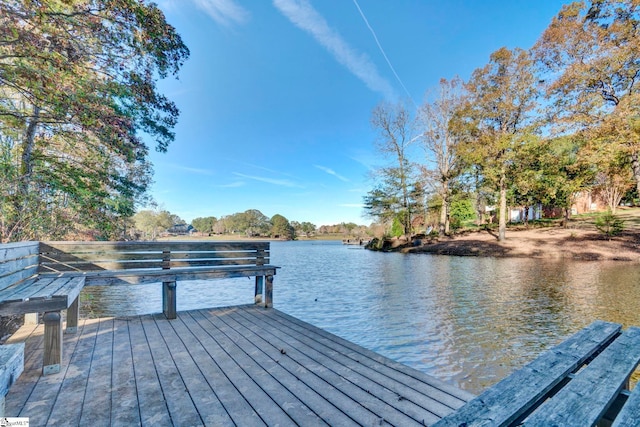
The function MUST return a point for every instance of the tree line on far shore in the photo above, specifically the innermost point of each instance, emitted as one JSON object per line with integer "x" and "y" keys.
{"x": 151, "y": 224}
{"x": 531, "y": 127}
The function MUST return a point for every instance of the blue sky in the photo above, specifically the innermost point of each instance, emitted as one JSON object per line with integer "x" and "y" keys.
{"x": 277, "y": 95}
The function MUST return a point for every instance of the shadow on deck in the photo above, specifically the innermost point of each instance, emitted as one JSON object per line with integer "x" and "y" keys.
{"x": 240, "y": 365}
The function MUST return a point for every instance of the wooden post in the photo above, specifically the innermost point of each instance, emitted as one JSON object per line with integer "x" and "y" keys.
{"x": 31, "y": 318}
{"x": 268, "y": 293}
{"x": 52, "y": 342}
{"x": 168, "y": 289}
{"x": 166, "y": 259}
{"x": 260, "y": 257}
{"x": 73, "y": 312}
{"x": 259, "y": 289}
{"x": 169, "y": 299}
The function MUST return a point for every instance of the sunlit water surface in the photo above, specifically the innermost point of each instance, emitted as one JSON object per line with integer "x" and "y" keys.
{"x": 469, "y": 321}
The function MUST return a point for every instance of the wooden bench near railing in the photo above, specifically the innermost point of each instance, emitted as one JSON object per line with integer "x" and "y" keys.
{"x": 583, "y": 381}
{"x": 47, "y": 277}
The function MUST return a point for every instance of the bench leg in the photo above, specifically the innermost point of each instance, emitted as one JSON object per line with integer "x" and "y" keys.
{"x": 268, "y": 292}
{"x": 52, "y": 342}
{"x": 259, "y": 289}
{"x": 169, "y": 299}
{"x": 31, "y": 318}
{"x": 73, "y": 313}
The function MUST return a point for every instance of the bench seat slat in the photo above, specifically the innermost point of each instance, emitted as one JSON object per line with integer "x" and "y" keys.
{"x": 59, "y": 287}
{"x": 49, "y": 290}
{"x": 586, "y": 398}
{"x": 25, "y": 290}
{"x": 43, "y": 294}
{"x": 630, "y": 413}
{"x": 71, "y": 289}
{"x": 516, "y": 395}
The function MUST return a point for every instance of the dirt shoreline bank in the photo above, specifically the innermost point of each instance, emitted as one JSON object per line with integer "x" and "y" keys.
{"x": 548, "y": 243}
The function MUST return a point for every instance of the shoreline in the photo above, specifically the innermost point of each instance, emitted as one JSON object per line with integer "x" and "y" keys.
{"x": 546, "y": 243}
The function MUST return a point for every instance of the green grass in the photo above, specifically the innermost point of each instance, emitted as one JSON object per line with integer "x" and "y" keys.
{"x": 630, "y": 216}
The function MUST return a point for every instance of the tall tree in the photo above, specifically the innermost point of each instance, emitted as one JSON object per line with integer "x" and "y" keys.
{"x": 152, "y": 223}
{"x": 281, "y": 228}
{"x": 77, "y": 91}
{"x": 393, "y": 199}
{"x": 440, "y": 137}
{"x": 502, "y": 97}
{"x": 591, "y": 55}
{"x": 204, "y": 224}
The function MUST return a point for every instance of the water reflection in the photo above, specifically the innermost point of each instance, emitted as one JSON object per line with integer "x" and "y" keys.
{"x": 470, "y": 321}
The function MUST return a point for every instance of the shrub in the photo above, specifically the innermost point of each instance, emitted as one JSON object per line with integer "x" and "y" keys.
{"x": 609, "y": 224}
{"x": 462, "y": 209}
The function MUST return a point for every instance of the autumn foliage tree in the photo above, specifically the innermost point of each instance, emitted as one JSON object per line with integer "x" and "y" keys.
{"x": 590, "y": 58}
{"x": 77, "y": 92}
{"x": 498, "y": 115}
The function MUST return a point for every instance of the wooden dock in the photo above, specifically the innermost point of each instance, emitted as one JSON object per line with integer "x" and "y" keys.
{"x": 241, "y": 365}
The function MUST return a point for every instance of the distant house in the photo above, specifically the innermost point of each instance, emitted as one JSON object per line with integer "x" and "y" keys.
{"x": 181, "y": 229}
{"x": 586, "y": 201}
{"x": 517, "y": 214}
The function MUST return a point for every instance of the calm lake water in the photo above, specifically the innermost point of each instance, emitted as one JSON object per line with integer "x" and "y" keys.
{"x": 469, "y": 321}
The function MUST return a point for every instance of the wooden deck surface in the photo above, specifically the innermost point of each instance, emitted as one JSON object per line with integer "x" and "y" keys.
{"x": 233, "y": 366}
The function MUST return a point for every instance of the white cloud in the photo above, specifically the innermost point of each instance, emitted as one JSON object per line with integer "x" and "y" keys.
{"x": 280, "y": 182}
{"x": 190, "y": 169}
{"x": 305, "y": 17}
{"x": 224, "y": 12}
{"x": 235, "y": 184}
{"x": 332, "y": 172}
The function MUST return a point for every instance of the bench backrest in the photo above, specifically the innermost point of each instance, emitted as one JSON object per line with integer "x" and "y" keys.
{"x": 58, "y": 257}
{"x": 18, "y": 262}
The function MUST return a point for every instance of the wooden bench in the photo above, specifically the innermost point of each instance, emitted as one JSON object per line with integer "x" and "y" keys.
{"x": 581, "y": 382}
{"x": 48, "y": 276}
{"x": 24, "y": 291}
{"x": 117, "y": 263}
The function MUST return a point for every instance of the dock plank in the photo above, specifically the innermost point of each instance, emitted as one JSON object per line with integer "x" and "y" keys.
{"x": 124, "y": 399}
{"x": 181, "y": 343}
{"x": 44, "y": 394}
{"x": 433, "y": 395}
{"x": 67, "y": 409}
{"x": 362, "y": 386}
{"x": 255, "y": 363}
{"x": 216, "y": 367}
{"x": 232, "y": 400}
{"x": 404, "y": 399}
{"x": 303, "y": 383}
{"x": 181, "y": 407}
{"x": 151, "y": 403}
{"x": 426, "y": 384}
{"x": 311, "y": 374}
{"x": 96, "y": 402}
{"x": 259, "y": 400}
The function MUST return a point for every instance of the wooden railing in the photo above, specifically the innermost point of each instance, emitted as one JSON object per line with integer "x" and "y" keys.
{"x": 48, "y": 276}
